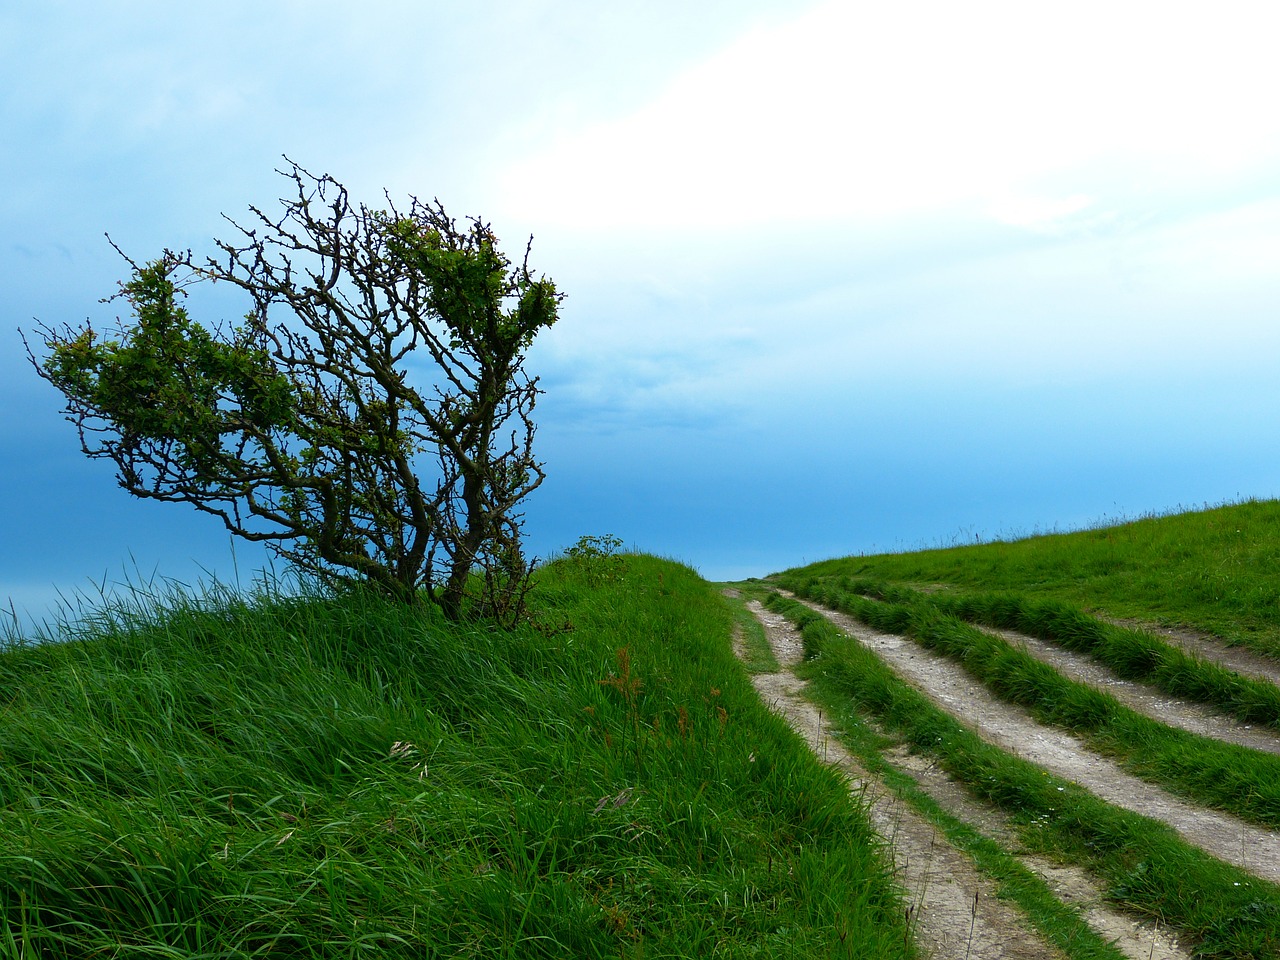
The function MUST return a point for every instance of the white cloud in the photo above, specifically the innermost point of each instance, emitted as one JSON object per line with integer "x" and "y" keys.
{"x": 869, "y": 111}
{"x": 1039, "y": 214}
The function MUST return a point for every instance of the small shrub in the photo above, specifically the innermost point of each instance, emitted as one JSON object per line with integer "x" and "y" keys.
{"x": 598, "y": 559}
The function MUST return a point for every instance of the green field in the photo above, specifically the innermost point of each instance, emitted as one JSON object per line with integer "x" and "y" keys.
{"x": 340, "y": 777}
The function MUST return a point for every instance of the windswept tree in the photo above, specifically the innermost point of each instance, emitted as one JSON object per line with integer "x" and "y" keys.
{"x": 370, "y": 419}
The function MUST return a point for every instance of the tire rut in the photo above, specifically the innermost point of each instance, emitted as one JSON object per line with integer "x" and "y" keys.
{"x": 1228, "y": 838}
{"x": 1138, "y": 939}
{"x": 954, "y": 909}
{"x": 1145, "y": 698}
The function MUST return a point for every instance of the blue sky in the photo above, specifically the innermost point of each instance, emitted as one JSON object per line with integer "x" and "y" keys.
{"x": 841, "y": 276}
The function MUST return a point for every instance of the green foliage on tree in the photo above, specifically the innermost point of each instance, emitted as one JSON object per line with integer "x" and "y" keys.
{"x": 312, "y": 426}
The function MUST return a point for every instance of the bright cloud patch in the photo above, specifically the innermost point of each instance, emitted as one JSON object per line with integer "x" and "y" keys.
{"x": 878, "y": 110}
{"x": 1046, "y": 215}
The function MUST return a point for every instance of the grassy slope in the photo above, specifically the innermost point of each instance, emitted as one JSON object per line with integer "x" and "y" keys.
{"x": 325, "y": 778}
{"x": 1214, "y": 570}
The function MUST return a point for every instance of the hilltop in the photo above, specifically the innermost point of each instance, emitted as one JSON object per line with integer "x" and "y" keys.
{"x": 330, "y": 776}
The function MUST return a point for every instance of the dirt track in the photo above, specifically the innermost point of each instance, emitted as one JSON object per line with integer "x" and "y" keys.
{"x": 1250, "y": 847}
{"x": 956, "y": 912}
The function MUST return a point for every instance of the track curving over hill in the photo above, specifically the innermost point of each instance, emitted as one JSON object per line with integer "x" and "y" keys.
{"x": 964, "y": 905}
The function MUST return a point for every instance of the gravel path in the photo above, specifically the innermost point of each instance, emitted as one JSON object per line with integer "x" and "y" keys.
{"x": 955, "y": 912}
{"x": 955, "y": 908}
{"x": 1228, "y": 838}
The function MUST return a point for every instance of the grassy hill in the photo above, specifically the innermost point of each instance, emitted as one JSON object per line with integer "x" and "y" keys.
{"x": 333, "y": 777}
{"x": 1216, "y": 570}
{"x": 339, "y": 777}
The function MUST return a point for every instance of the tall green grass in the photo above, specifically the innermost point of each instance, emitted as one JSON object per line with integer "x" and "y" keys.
{"x": 331, "y": 777}
{"x": 1213, "y": 570}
